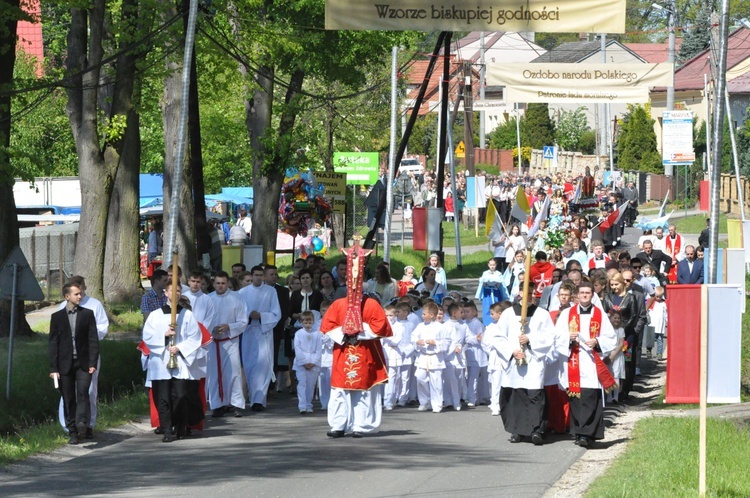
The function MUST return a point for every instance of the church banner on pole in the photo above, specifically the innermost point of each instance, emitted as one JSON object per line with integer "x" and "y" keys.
{"x": 561, "y": 16}
{"x": 579, "y": 83}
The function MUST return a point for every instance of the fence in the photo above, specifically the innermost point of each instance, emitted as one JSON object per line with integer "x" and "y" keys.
{"x": 50, "y": 251}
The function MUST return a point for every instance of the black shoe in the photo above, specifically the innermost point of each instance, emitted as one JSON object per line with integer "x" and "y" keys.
{"x": 515, "y": 438}
{"x": 335, "y": 434}
{"x": 357, "y": 434}
{"x": 89, "y": 433}
{"x": 158, "y": 430}
{"x": 237, "y": 413}
{"x": 219, "y": 412}
{"x": 73, "y": 438}
{"x": 303, "y": 412}
{"x": 537, "y": 439}
{"x": 583, "y": 442}
{"x": 257, "y": 407}
{"x": 167, "y": 438}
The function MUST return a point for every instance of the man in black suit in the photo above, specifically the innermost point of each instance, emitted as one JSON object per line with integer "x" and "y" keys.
{"x": 690, "y": 269}
{"x": 657, "y": 259}
{"x": 73, "y": 354}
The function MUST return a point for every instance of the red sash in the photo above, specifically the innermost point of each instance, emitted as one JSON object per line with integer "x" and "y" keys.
{"x": 673, "y": 252}
{"x": 592, "y": 262}
{"x": 574, "y": 363}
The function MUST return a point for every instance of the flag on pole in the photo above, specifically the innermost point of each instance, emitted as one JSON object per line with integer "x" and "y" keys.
{"x": 646, "y": 224}
{"x": 493, "y": 225}
{"x": 542, "y": 215}
{"x": 613, "y": 218}
{"x": 576, "y": 195}
{"x": 663, "y": 205}
{"x": 521, "y": 209}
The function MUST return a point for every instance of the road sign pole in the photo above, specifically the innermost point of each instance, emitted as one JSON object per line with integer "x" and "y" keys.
{"x": 12, "y": 329}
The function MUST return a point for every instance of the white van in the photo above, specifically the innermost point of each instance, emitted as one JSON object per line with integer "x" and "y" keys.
{"x": 410, "y": 166}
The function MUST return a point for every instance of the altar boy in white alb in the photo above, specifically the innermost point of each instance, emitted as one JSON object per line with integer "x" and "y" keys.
{"x": 587, "y": 378}
{"x": 262, "y": 303}
{"x": 171, "y": 385}
{"x": 224, "y": 380}
{"x": 308, "y": 353}
{"x": 523, "y": 353}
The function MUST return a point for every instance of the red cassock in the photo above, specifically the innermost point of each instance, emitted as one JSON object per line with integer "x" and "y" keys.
{"x": 358, "y": 366}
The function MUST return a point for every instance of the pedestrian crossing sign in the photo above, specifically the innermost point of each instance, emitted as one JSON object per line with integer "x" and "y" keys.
{"x": 549, "y": 152}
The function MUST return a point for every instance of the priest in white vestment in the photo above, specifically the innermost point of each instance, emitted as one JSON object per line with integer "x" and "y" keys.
{"x": 262, "y": 305}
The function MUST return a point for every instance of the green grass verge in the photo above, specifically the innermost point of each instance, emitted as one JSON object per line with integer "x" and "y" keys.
{"x": 662, "y": 461}
{"x": 33, "y": 397}
{"x": 696, "y": 224}
{"x": 48, "y": 436}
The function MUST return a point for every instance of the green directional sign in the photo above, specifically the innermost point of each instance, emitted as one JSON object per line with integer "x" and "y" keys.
{"x": 361, "y": 168}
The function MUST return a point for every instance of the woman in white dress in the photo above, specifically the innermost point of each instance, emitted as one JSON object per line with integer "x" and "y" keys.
{"x": 514, "y": 243}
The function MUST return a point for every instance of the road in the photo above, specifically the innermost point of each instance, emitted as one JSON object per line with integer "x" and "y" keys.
{"x": 280, "y": 453}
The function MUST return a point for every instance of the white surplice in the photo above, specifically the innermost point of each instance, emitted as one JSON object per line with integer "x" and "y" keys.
{"x": 188, "y": 340}
{"x": 231, "y": 311}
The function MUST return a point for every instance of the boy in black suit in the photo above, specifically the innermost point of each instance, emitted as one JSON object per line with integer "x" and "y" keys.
{"x": 73, "y": 353}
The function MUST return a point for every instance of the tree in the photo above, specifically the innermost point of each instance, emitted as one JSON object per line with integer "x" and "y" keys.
{"x": 284, "y": 58}
{"x": 10, "y": 13}
{"x": 571, "y": 126}
{"x": 636, "y": 143}
{"x": 539, "y": 130}
{"x": 108, "y": 149}
{"x": 696, "y": 37}
{"x": 504, "y": 136}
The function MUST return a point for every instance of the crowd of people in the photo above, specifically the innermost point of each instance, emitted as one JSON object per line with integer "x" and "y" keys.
{"x": 591, "y": 308}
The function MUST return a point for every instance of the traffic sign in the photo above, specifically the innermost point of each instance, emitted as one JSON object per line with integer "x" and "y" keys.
{"x": 549, "y": 152}
{"x": 27, "y": 288}
{"x": 461, "y": 149}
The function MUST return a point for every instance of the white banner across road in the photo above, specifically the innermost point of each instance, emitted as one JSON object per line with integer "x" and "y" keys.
{"x": 561, "y": 16}
{"x": 579, "y": 83}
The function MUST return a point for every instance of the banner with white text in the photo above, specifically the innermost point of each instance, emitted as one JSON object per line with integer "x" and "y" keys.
{"x": 579, "y": 83}
{"x": 562, "y": 16}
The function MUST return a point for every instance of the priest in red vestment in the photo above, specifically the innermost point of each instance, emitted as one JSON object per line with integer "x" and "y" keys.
{"x": 356, "y": 324}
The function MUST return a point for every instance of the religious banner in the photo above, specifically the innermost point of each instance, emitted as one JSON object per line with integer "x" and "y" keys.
{"x": 579, "y": 83}
{"x": 563, "y": 16}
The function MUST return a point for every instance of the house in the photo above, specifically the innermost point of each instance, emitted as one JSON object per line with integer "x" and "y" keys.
{"x": 499, "y": 48}
{"x": 691, "y": 79}
{"x": 583, "y": 52}
{"x": 30, "y": 34}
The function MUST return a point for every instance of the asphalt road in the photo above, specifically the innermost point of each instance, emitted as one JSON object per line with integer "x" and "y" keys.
{"x": 280, "y": 453}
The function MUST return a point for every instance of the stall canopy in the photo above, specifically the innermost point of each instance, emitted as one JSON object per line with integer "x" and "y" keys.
{"x": 244, "y": 192}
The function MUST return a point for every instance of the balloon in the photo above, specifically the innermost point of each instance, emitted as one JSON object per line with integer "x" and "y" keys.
{"x": 317, "y": 244}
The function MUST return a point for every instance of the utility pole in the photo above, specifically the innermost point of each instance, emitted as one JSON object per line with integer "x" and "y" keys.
{"x": 468, "y": 119}
{"x": 482, "y": 75}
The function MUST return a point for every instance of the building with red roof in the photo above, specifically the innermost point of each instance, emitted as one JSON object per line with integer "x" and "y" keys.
{"x": 29, "y": 34}
{"x": 693, "y": 78}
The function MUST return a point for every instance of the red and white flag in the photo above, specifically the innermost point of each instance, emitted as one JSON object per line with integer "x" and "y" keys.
{"x": 613, "y": 218}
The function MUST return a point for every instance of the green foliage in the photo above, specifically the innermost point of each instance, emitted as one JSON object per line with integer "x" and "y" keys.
{"x": 539, "y": 130}
{"x": 504, "y": 136}
{"x": 697, "y": 37}
{"x": 587, "y": 142}
{"x": 571, "y": 126}
{"x": 636, "y": 143}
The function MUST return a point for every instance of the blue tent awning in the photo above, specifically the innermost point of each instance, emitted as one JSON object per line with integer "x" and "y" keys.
{"x": 235, "y": 199}
{"x": 246, "y": 192}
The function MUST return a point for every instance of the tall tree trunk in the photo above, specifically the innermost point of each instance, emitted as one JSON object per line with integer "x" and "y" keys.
{"x": 185, "y": 236}
{"x": 83, "y": 68}
{"x": 123, "y": 157}
{"x": 258, "y": 112}
{"x": 338, "y": 221}
{"x": 8, "y": 215}
{"x": 203, "y": 238}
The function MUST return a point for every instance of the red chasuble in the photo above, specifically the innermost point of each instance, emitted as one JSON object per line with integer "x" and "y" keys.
{"x": 360, "y": 365}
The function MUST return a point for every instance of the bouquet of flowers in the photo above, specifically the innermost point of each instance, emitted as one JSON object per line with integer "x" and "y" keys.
{"x": 557, "y": 233}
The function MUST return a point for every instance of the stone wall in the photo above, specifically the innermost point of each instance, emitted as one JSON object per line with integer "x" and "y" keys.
{"x": 729, "y": 202}
{"x": 570, "y": 164}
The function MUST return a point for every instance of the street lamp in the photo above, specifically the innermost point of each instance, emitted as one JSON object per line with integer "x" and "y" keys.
{"x": 670, "y": 57}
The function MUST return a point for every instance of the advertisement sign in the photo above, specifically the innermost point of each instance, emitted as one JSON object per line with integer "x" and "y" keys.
{"x": 677, "y": 138}
{"x": 579, "y": 83}
{"x": 563, "y": 16}
{"x": 335, "y": 189}
{"x": 361, "y": 168}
